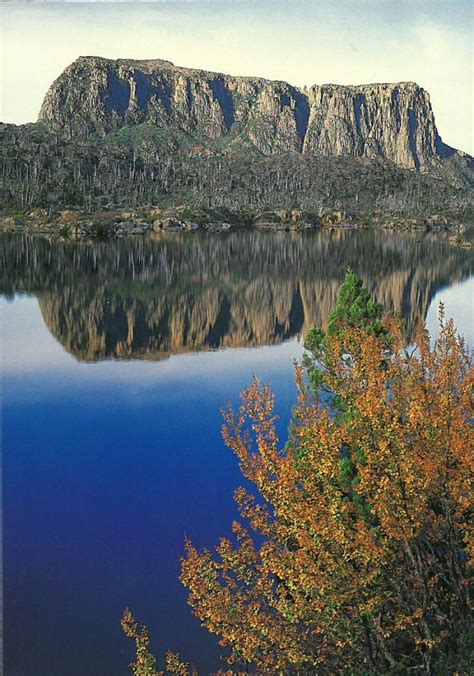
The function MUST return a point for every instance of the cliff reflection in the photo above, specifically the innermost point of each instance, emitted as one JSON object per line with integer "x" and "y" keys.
{"x": 149, "y": 298}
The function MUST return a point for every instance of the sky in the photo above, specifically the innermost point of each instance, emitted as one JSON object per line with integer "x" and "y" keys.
{"x": 301, "y": 41}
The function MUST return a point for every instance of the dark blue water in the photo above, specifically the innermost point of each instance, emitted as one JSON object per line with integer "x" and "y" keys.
{"x": 106, "y": 467}
{"x": 107, "y": 464}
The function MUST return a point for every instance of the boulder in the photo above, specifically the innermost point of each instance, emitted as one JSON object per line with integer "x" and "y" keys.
{"x": 10, "y": 222}
{"x": 296, "y": 215}
{"x": 127, "y": 226}
{"x": 218, "y": 227}
{"x": 36, "y": 214}
{"x": 69, "y": 216}
{"x": 171, "y": 224}
{"x": 191, "y": 225}
{"x": 437, "y": 219}
{"x": 135, "y": 227}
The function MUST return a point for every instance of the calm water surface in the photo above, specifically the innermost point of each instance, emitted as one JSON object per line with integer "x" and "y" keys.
{"x": 116, "y": 360}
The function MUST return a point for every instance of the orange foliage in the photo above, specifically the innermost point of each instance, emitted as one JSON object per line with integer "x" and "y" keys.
{"x": 363, "y": 520}
{"x": 145, "y": 663}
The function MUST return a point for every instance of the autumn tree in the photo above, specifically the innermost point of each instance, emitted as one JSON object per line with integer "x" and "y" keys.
{"x": 354, "y": 552}
{"x": 145, "y": 663}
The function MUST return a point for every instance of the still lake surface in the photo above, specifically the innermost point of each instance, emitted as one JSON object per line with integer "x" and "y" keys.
{"x": 116, "y": 360}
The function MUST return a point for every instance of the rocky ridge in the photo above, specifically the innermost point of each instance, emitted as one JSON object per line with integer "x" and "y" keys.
{"x": 393, "y": 121}
{"x": 134, "y": 136}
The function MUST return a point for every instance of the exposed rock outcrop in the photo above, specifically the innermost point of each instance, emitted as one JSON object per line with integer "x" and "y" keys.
{"x": 392, "y": 121}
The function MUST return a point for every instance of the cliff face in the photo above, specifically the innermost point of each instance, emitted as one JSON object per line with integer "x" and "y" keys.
{"x": 392, "y": 121}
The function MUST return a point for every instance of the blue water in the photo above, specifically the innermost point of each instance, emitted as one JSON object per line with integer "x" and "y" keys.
{"x": 106, "y": 466}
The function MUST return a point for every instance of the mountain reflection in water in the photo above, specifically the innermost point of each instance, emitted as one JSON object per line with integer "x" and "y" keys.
{"x": 150, "y": 298}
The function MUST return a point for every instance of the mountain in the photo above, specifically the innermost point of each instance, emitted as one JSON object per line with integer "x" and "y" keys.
{"x": 140, "y": 134}
{"x": 392, "y": 121}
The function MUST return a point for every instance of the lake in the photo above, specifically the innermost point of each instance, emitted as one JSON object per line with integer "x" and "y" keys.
{"x": 116, "y": 360}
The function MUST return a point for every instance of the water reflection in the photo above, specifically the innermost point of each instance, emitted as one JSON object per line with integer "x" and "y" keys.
{"x": 107, "y": 465}
{"x": 149, "y": 298}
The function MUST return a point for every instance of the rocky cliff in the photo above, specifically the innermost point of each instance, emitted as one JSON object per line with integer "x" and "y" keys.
{"x": 391, "y": 121}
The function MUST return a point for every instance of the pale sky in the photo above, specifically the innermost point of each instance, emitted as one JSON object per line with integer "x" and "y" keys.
{"x": 302, "y": 41}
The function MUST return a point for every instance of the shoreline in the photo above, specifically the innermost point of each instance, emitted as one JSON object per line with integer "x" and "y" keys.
{"x": 109, "y": 224}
